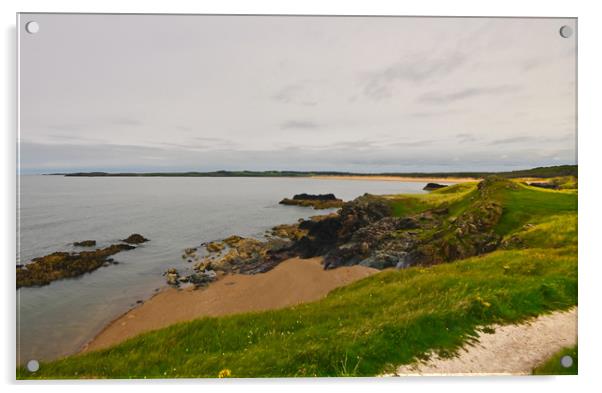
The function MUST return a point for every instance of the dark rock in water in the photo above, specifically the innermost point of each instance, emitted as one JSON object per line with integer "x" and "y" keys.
{"x": 85, "y": 243}
{"x": 315, "y": 197}
{"x": 545, "y": 185}
{"x": 319, "y": 201}
{"x": 135, "y": 238}
{"x": 43, "y": 270}
{"x": 433, "y": 186}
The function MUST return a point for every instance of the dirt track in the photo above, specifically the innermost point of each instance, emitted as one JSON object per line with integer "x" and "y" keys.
{"x": 512, "y": 349}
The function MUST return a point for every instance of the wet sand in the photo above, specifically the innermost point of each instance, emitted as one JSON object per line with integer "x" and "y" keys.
{"x": 291, "y": 282}
{"x": 401, "y": 178}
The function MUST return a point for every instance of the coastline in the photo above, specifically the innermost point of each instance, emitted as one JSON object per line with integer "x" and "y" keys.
{"x": 292, "y": 282}
{"x": 400, "y": 179}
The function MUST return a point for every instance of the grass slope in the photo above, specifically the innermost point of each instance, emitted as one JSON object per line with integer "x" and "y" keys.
{"x": 378, "y": 323}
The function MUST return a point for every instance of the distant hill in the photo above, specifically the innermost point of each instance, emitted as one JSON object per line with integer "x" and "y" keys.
{"x": 541, "y": 172}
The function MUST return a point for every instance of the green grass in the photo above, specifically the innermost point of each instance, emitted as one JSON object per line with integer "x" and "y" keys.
{"x": 530, "y": 205}
{"x": 407, "y": 204}
{"x": 376, "y": 324}
{"x": 363, "y": 329}
{"x": 552, "y": 366}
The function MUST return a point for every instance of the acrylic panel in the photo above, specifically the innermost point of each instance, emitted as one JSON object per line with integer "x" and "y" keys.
{"x": 239, "y": 196}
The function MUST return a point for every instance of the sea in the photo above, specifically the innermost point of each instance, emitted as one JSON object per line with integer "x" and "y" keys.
{"x": 173, "y": 212}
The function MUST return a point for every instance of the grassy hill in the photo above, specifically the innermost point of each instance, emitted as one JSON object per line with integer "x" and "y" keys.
{"x": 383, "y": 321}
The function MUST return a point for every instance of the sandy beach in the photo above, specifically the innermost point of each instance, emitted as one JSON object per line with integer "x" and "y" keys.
{"x": 291, "y": 282}
{"x": 401, "y": 178}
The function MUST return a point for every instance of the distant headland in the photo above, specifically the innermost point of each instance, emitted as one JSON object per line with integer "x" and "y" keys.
{"x": 539, "y": 172}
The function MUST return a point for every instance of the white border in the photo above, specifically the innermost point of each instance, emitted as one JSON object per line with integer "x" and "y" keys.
{"x": 590, "y": 28}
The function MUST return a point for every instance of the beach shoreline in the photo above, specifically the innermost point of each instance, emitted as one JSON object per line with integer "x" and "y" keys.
{"x": 292, "y": 282}
{"x": 400, "y": 179}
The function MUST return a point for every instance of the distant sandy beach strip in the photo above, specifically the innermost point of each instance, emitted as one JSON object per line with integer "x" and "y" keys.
{"x": 292, "y": 282}
{"x": 401, "y": 178}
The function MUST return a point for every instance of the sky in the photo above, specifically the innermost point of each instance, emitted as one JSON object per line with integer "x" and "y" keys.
{"x": 362, "y": 94}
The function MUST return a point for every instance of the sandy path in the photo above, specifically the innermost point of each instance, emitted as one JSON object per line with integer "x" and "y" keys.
{"x": 401, "y": 178}
{"x": 291, "y": 282}
{"x": 512, "y": 349}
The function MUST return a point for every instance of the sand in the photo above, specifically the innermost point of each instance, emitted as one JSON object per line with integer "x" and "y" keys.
{"x": 401, "y": 178}
{"x": 292, "y": 282}
{"x": 511, "y": 350}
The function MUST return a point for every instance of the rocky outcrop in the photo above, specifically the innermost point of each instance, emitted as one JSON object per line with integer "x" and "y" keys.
{"x": 135, "y": 238}
{"x": 197, "y": 279}
{"x": 43, "y": 270}
{"x": 365, "y": 233}
{"x": 433, "y": 186}
{"x": 323, "y": 235}
{"x": 247, "y": 255}
{"x": 319, "y": 201}
{"x": 85, "y": 243}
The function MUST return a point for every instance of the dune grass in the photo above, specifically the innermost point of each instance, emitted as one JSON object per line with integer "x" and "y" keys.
{"x": 376, "y": 324}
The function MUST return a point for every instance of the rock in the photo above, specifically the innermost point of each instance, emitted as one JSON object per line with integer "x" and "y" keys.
{"x": 202, "y": 279}
{"x": 58, "y": 265}
{"x": 215, "y": 246}
{"x": 246, "y": 256}
{"x": 232, "y": 240}
{"x": 85, "y": 243}
{"x": 189, "y": 252}
{"x": 364, "y": 233}
{"x": 320, "y": 201}
{"x": 433, "y": 186}
{"x": 288, "y": 231}
{"x": 332, "y": 231}
{"x": 172, "y": 278}
{"x": 135, "y": 238}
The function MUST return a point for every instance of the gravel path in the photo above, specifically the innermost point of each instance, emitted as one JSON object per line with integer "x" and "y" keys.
{"x": 511, "y": 350}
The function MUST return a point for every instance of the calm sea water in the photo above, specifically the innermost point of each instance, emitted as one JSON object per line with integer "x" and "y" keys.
{"x": 174, "y": 213}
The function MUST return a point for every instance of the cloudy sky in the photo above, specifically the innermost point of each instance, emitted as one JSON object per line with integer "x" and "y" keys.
{"x": 154, "y": 93}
